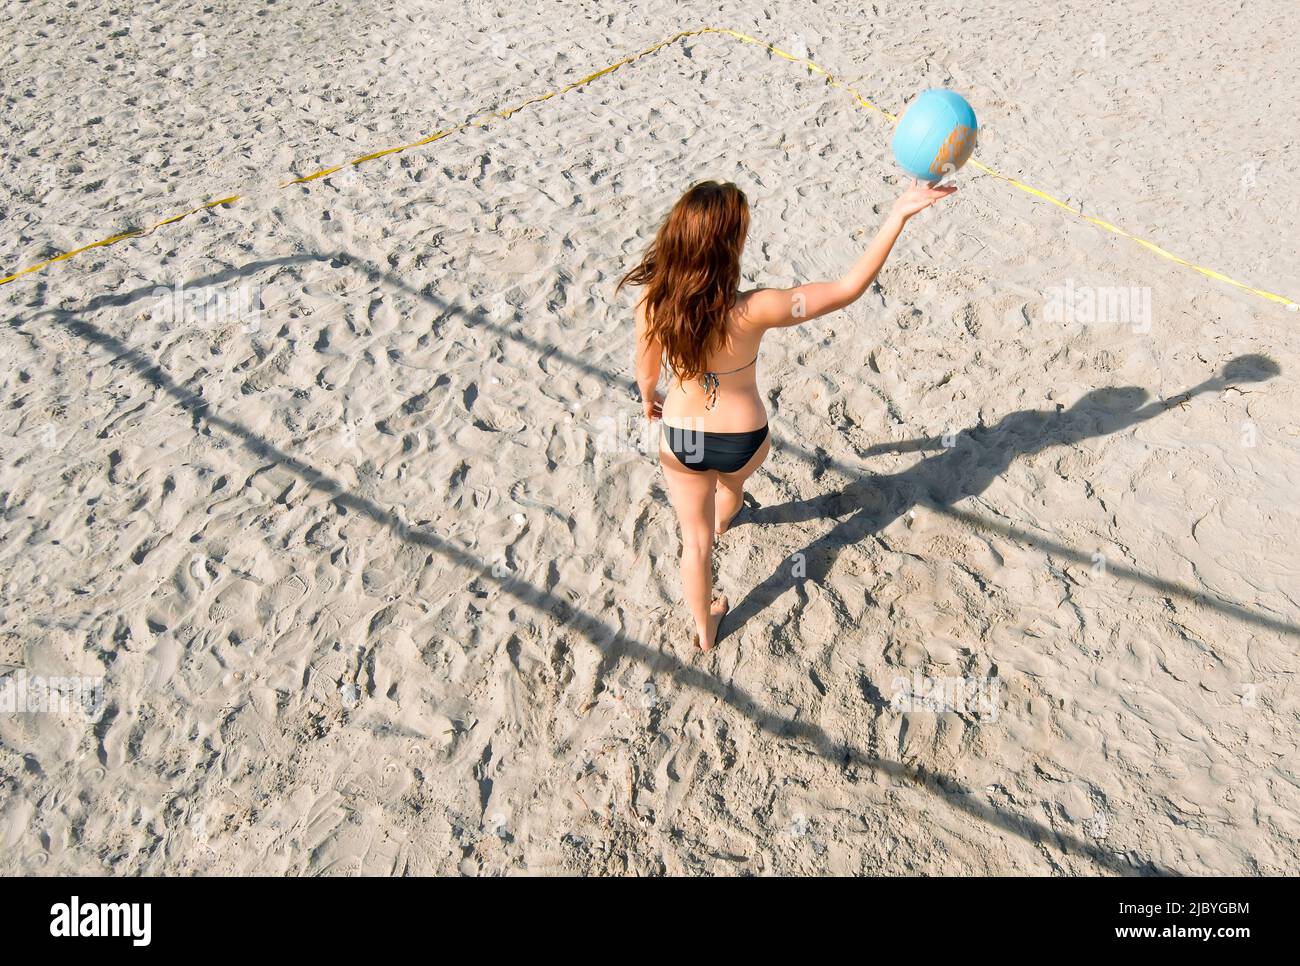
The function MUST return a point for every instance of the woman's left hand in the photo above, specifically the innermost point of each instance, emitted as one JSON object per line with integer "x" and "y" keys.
{"x": 654, "y": 406}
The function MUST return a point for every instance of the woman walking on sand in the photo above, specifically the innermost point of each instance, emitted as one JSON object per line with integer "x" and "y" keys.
{"x": 692, "y": 317}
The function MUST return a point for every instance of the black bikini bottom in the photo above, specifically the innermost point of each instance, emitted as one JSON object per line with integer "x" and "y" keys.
{"x": 724, "y": 452}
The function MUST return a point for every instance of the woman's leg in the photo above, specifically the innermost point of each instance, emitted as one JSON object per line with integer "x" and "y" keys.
{"x": 731, "y": 488}
{"x": 691, "y": 493}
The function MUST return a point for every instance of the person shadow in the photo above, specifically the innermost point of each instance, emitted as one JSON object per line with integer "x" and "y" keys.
{"x": 967, "y": 464}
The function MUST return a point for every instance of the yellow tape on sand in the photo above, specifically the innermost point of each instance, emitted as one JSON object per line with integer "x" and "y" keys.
{"x": 486, "y": 118}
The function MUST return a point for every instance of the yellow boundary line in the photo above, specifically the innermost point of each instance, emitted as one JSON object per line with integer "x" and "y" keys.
{"x": 484, "y": 119}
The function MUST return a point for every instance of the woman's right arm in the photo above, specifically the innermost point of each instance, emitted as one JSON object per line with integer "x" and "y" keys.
{"x": 776, "y": 308}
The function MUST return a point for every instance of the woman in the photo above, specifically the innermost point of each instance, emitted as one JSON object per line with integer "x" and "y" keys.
{"x": 691, "y": 316}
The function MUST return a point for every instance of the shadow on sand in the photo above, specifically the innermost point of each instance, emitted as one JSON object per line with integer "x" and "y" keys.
{"x": 967, "y": 468}
{"x": 971, "y": 461}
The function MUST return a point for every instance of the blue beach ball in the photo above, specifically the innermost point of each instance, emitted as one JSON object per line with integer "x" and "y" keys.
{"x": 935, "y": 135}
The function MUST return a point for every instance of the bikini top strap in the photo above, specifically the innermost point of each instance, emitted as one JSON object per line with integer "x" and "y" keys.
{"x": 734, "y": 371}
{"x": 709, "y": 381}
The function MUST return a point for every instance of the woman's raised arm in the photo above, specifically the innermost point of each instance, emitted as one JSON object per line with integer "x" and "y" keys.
{"x": 777, "y": 308}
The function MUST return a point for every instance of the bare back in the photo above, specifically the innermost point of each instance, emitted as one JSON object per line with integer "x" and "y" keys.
{"x": 738, "y": 407}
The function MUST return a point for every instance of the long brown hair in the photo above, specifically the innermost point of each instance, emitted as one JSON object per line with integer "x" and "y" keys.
{"x": 691, "y": 272}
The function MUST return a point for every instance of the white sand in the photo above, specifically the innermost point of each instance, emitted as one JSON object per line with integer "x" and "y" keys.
{"x": 374, "y": 587}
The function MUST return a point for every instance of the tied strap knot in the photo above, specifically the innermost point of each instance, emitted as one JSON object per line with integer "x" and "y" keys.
{"x": 709, "y": 382}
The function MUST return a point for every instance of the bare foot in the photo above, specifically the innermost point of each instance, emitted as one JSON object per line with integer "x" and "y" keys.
{"x": 723, "y": 497}
{"x": 721, "y": 526}
{"x": 716, "y": 610}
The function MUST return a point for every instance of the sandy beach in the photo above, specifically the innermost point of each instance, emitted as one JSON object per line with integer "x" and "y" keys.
{"x": 333, "y": 512}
